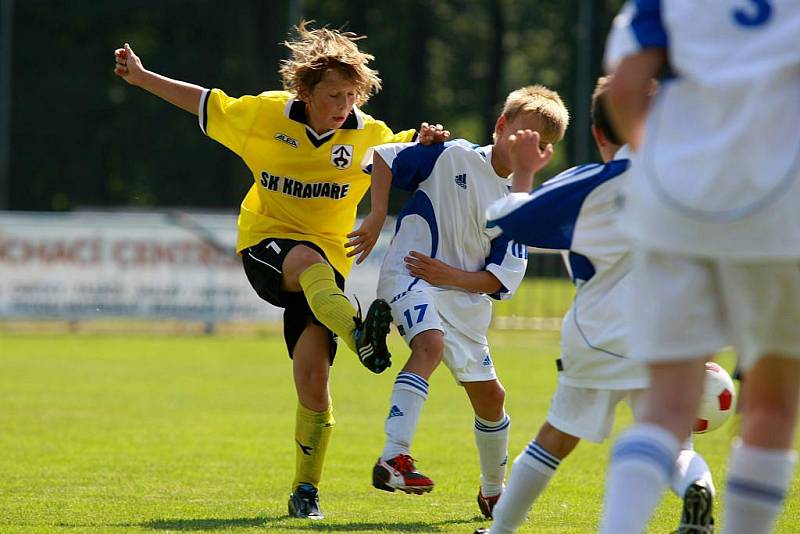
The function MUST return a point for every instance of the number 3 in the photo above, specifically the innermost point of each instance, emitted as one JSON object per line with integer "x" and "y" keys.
{"x": 749, "y": 19}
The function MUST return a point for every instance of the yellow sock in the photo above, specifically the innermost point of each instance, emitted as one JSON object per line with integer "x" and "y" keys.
{"x": 312, "y": 432}
{"x": 330, "y": 306}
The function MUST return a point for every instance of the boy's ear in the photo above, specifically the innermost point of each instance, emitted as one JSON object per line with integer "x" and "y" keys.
{"x": 599, "y": 138}
{"x": 500, "y": 125}
{"x": 303, "y": 93}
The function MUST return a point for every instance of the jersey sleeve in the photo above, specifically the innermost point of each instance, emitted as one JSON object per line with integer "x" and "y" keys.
{"x": 228, "y": 120}
{"x": 507, "y": 261}
{"x": 411, "y": 163}
{"x": 546, "y": 217}
{"x": 637, "y": 26}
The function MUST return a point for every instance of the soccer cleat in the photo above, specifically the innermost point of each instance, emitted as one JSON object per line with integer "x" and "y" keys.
{"x": 399, "y": 473}
{"x": 481, "y": 531}
{"x": 697, "y": 517}
{"x": 304, "y": 503}
{"x": 486, "y": 504}
{"x": 370, "y": 336}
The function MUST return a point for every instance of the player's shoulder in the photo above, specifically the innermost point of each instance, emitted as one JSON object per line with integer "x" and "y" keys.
{"x": 596, "y": 172}
{"x": 462, "y": 149}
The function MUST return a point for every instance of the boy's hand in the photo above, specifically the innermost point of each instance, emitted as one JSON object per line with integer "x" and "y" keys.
{"x": 129, "y": 66}
{"x": 433, "y": 271}
{"x": 365, "y": 236}
{"x": 527, "y": 157}
{"x": 430, "y": 134}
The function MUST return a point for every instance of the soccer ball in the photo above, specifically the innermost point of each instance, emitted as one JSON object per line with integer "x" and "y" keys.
{"x": 716, "y": 404}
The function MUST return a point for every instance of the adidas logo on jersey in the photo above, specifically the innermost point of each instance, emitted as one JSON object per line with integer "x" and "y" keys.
{"x": 487, "y": 361}
{"x": 461, "y": 180}
{"x": 395, "y": 412}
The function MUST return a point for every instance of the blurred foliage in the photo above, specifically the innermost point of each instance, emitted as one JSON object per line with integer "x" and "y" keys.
{"x": 80, "y": 136}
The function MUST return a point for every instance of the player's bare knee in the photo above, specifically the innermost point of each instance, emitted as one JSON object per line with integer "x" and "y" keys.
{"x": 428, "y": 345}
{"x": 298, "y": 260}
{"x": 496, "y": 396}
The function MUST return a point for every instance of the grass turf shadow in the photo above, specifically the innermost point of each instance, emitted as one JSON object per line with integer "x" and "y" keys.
{"x": 299, "y": 525}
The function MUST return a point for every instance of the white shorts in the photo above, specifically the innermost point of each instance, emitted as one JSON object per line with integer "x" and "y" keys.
{"x": 687, "y": 307}
{"x": 589, "y": 413}
{"x": 468, "y": 360}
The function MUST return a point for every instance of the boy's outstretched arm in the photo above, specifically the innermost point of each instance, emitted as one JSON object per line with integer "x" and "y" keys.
{"x": 129, "y": 67}
{"x": 363, "y": 239}
{"x": 438, "y": 273}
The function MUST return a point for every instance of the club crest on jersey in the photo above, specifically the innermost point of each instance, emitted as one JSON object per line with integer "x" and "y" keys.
{"x": 291, "y": 141}
{"x": 461, "y": 180}
{"x": 342, "y": 156}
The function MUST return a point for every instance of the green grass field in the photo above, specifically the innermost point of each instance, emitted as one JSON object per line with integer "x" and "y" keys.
{"x": 123, "y": 434}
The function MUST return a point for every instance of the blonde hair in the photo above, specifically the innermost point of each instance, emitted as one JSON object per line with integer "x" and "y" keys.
{"x": 545, "y": 104}
{"x": 315, "y": 51}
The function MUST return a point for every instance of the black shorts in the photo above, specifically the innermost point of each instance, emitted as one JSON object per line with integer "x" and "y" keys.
{"x": 263, "y": 265}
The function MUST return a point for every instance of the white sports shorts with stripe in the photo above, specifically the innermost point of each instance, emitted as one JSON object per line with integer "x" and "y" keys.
{"x": 415, "y": 312}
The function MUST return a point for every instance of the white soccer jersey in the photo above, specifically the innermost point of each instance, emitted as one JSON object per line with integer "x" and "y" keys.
{"x": 576, "y": 212}
{"x": 453, "y": 184}
{"x": 720, "y": 164}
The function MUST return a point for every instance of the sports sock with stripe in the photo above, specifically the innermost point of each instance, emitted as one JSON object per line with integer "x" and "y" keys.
{"x": 491, "y": 437}
{"x": 330, "y": 306}
{"x": 530, "y": 474}
{"x": 689, "y": 468}
{"x": 408, "y": 397}
{"x": 642, "y": 465}
{"x": 312, "y": 432}
{"x": 757, "y": 483}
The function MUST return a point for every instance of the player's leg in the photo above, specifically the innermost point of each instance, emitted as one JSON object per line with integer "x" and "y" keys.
{"x": 311, "y": 359}
{"x": 575, "y": 413}
{"x": 643, "y": 458}
{"x": 492, "y": 426}
{"x": 674, "y": 338}
{"x": 763, "y": 303}
{"x": 692, "y": 481}
{"x": 305, "y": 269}
{"x": 762, "y": 463}
{"x": 531, "y": 471}
{"x": 395, "y": 468}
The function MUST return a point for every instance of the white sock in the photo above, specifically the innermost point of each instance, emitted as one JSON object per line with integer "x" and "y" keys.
{"x": 757, "y": 483}
{"x": 408, "y": 396}
{"x": 491, "y": 437}
{"x": 690, "y": 467}
{"x": 530, "y": 474}
{"x": 642, "y": 463}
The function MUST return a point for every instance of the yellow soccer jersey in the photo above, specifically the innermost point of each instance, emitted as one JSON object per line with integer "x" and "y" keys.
{"x": 307, "y": 186}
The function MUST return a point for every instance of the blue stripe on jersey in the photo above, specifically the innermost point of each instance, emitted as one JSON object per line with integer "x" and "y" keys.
{"x": 581, "y": 267}
{"x": 497, "y": 252}
{"x": 647, "y": 25}
{"x": 547, "y": 219}
{"x": 420, "y": 204}
{"x": 413, "y": 165}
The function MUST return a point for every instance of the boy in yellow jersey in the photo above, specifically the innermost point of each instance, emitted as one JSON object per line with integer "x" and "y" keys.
{"x": 300, "y": 145}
